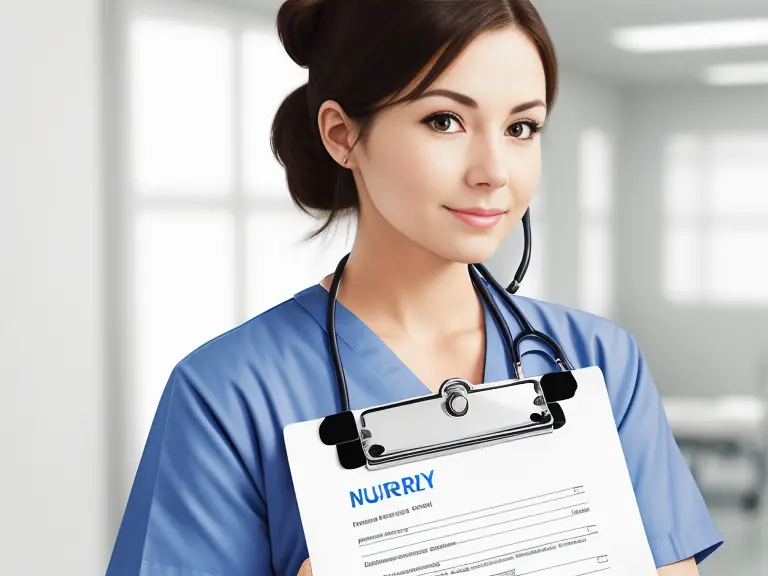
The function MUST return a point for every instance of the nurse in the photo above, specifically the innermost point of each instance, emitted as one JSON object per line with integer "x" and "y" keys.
{"x": 423, "y": 119}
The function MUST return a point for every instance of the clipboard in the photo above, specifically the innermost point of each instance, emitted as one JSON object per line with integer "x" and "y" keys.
{"x": 392, "y": 490}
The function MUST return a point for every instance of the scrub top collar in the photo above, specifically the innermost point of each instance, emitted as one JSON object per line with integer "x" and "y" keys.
{"x": 374, "y": 351}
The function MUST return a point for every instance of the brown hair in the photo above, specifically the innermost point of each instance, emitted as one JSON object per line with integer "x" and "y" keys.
{"x": 360, "y": 53}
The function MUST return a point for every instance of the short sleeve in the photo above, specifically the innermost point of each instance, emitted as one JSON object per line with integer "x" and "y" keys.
{"x": 677, "y": 522}
{"x": 196, "y": 505}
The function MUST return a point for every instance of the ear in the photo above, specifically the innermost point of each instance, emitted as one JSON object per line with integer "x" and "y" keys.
{"x": 338, "y": 133}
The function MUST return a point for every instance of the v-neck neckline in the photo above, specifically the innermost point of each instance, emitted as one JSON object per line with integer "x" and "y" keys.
{"x": 372, "y": 349}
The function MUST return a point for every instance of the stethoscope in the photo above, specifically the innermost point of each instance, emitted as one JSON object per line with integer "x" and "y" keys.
{"x": 478, "y": 273}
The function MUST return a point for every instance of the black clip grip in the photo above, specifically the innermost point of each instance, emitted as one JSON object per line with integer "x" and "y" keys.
{"x": 340, "y": 430}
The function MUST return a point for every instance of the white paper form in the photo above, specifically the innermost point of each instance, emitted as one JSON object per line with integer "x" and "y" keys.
{"x": 559, "y": 504}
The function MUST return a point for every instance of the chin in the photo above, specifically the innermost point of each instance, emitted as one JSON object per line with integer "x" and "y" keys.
{"x": 471, "y": 251}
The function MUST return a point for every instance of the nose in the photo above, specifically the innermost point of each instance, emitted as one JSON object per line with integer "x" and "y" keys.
{"x": 487, "y": 170}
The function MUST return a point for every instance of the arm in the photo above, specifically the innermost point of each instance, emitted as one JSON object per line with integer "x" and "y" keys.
{"x": 196, "y": 507}
{"x": 684, "y": 568}
{"x": 678, "y": 525}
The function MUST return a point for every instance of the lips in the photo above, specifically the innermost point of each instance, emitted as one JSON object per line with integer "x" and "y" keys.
{"x": 482, "y": 218}
{"x": 478, "y": 211}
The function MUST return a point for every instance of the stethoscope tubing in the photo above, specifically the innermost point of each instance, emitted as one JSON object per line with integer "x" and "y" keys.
{"x": 478, "y": 273}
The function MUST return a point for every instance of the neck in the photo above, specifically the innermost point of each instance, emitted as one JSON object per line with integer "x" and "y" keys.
{"x": 402, "y": 290}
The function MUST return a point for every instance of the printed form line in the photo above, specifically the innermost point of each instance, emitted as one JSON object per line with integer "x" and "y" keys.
{"x": 471, "y": 529}
{"x": 512, "y": 552}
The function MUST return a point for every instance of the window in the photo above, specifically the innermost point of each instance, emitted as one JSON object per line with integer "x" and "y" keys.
{"x": 716, "y": 213}
{"x": 213, "y": 237}
{"x": 595, "y": 237}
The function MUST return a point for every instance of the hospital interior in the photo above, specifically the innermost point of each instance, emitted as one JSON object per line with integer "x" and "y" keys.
{"x": 142, "y": 213}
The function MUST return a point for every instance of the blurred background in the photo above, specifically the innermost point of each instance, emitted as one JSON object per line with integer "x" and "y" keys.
{"x": 142, "y": 213}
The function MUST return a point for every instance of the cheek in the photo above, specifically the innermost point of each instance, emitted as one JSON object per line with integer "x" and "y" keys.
{"x": 525, "y": 176}
{"x": 409, "y": 172}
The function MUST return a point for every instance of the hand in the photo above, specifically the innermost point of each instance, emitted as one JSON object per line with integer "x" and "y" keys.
{"x": 306, "y": 569}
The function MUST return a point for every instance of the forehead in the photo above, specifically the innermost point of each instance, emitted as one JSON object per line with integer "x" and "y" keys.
{"x": 498, "y": 67}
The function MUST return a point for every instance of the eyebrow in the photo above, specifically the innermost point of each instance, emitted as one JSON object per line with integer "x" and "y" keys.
{"x": 472, "y": 103}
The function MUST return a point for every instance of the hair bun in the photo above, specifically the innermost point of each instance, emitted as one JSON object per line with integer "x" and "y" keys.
{"x": 297, "y": 22}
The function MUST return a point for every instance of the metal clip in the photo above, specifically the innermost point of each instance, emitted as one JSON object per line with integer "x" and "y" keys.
{"x": 455, "y": 393}
{"x": 460, "y": 416}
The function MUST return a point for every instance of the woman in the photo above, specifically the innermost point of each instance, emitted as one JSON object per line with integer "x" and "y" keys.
{"x": 422, "y": 117}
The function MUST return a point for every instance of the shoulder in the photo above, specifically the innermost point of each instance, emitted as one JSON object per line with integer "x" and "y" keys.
{"x": 251, "y": 340}
{"x": 245, "y": 358}
{"x": 591, "y": 340}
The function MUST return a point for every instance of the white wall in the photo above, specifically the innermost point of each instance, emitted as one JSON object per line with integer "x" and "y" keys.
{"x": 583, "y": 104}
{"x": 52, "y": 490}
{"x": 695, "y": 350}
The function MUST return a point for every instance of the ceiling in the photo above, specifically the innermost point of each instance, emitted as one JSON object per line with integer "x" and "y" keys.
{"x": 581, "y": 29}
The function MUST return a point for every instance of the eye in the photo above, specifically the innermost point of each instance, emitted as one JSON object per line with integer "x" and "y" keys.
{"x": 525, "y": 130}
{"x": 442, "y": 122}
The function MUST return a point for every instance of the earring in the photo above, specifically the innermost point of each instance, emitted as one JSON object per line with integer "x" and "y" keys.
{"x": 346, "y": 159}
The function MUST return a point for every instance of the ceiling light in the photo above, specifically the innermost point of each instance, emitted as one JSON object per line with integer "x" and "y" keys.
{"x": 693, "y": 36}
{"x": 737, "y": 74}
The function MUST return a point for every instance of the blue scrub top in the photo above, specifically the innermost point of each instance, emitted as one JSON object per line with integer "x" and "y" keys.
{"x": 213, "y": 492}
